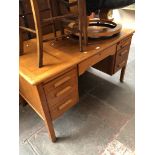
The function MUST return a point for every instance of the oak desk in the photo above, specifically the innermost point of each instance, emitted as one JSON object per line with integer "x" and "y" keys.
{"x": 53, "y": 89}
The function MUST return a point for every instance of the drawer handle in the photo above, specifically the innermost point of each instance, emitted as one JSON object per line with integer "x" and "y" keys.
{"x": 62, "y": 81}
{"x": 63, "y": 91}
{"x": 124, "y": 52}
{"x": 65, "y": 104}
{"x": 121, "y": 64}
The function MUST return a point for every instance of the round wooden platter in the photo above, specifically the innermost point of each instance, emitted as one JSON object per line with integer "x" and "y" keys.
{"x": 100, "y": 31}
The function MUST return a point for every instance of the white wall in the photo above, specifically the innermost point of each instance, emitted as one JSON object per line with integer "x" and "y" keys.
{"x": 125, "y": 17}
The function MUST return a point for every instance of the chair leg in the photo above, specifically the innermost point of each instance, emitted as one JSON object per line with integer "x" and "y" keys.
{"x": 37, "y": 23}
{"x": 21, "y": 48}
{"x": 50, "y": 5}
{"x": 60, "y": 22}
{"x": 40, "y": 52}
{"x": 80, "y": 24}
{"x": 85, "y": 23}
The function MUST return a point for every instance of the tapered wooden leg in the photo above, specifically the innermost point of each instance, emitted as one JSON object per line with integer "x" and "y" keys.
{"x": 51, "y": 131}
{"x": 46, "y": 113}
{"x": 122, "y": 74}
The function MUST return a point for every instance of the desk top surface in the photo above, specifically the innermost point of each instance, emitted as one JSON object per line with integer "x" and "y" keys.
{"x": 59, "y": 56}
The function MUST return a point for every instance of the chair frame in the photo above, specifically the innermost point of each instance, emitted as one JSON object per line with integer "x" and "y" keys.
{"x": 82, "y": 26}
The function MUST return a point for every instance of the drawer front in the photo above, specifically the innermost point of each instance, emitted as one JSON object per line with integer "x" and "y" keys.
{"x": 121, "y": 58}
{"x": 119, "y": 66}
{"x": 83, "y": 66}
{"x": 54, "y": 95}
{"x": 123, "y": 43}
{"x": 63, "y": 106}
{"x": 57, "y": 83}
{"x": 62, "y": 92}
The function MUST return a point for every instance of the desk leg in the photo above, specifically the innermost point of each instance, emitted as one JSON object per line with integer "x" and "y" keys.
{"x": 122, "y": 74}
{"x": 51, "y": 131}
{"x": 46, "y": 113}
{"x": 22, "y": 101}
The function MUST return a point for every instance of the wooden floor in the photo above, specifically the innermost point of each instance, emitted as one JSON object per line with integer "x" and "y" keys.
{"x": 59, "y": 56}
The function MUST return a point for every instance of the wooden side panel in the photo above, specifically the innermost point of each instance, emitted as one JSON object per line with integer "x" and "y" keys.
{"x": 30, "y": 94}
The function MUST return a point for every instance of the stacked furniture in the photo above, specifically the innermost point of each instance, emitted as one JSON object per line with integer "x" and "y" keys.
{"x": 64, "y": 17}
{"x": 51, "y": 86}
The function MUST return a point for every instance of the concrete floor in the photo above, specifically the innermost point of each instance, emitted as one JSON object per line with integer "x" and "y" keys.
{"x": 102, "y": 123}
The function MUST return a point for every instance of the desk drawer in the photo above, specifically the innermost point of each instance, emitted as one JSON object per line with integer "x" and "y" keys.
{"x": 83, "y": 66}
{"x": 123, "y": 43}
{"x": 63, "y": 106}
{"x": 54, "y": 95}
{"x": 57, "y": 92}
{"x": 60, "y": 81}
{"x": 121, "y": 58}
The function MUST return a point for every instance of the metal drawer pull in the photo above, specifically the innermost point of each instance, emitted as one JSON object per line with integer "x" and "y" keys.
{"x": 121, "y": 64}
{"x": 62, "y": 81}
{"x": 65, "y": 104}
{"x": 124, "y": 52}
{"x": 63, "y": 91}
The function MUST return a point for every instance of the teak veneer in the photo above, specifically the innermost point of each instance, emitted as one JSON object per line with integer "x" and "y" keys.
{"x": 53, "y": 89}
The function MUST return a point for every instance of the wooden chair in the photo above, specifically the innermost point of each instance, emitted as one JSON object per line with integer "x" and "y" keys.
{"x": 62, "y": 18}
{"x": 68, "y": 18}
